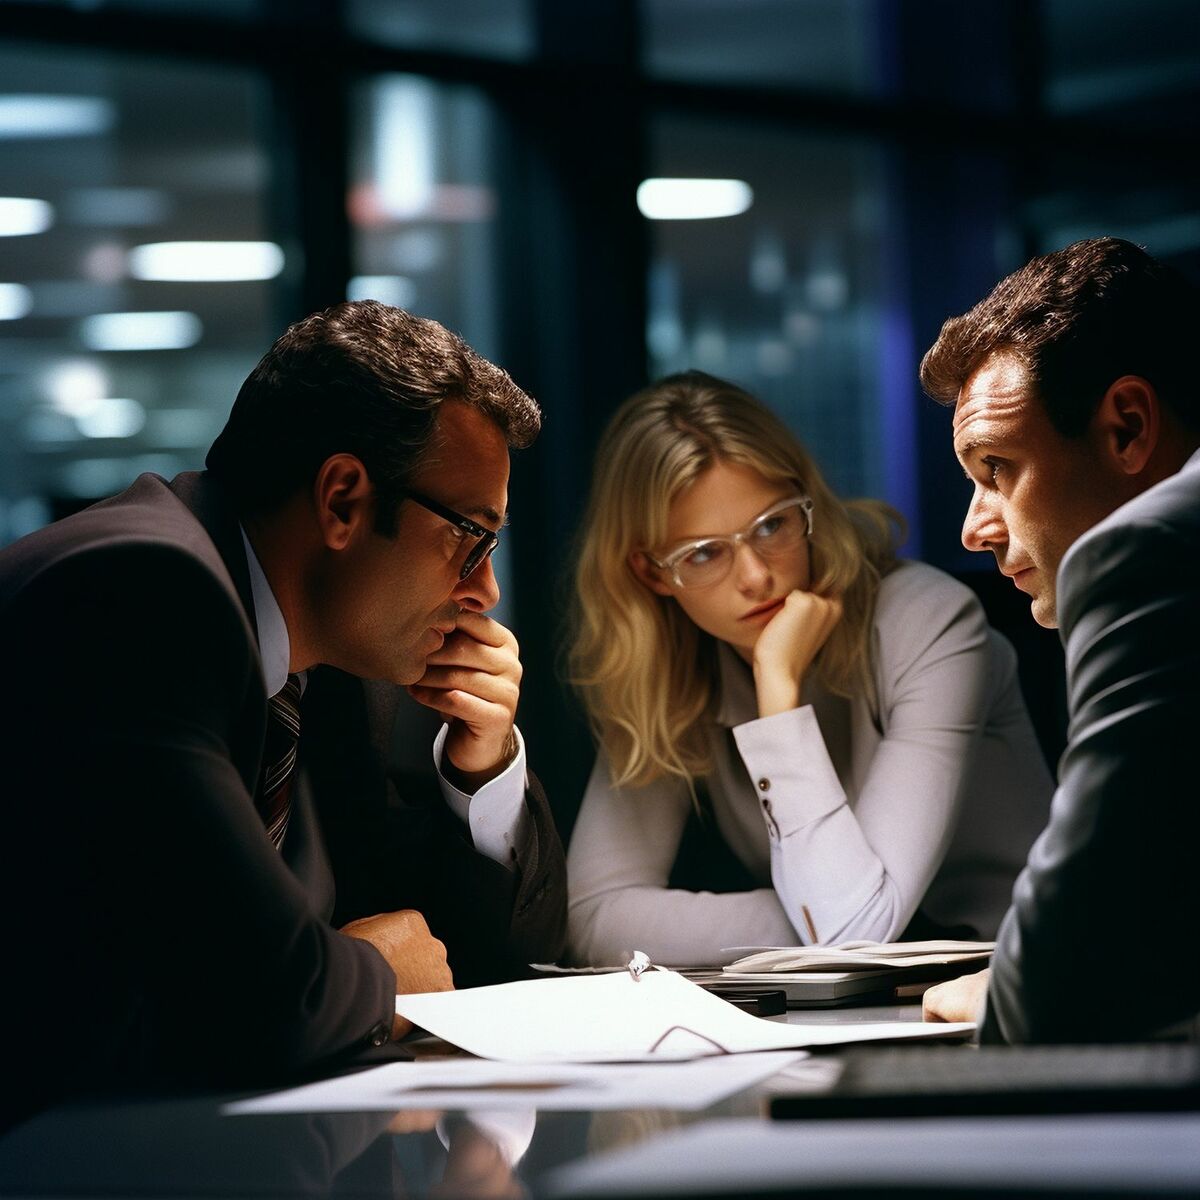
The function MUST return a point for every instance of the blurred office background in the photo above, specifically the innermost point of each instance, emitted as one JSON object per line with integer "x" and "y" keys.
{"x": 790, "y": 193}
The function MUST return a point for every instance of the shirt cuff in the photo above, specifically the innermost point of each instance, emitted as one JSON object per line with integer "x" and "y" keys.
{"x": 495, "y": 815}
{"x": 510, "y": 1130}
{"x": 790, "y": 768}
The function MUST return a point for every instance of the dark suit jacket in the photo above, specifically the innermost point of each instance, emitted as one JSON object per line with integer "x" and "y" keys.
{"x": 1099, "y": 944}
{"x": 154, "y": 934}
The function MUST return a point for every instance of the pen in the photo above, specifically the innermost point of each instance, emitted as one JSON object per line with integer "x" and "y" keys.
{"x": 812, "y": 929}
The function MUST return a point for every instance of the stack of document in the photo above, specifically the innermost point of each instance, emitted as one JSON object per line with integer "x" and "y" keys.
{"x": 820, "y": 975}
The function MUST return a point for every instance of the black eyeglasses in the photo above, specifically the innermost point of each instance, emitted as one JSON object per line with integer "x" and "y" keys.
{"x": 488, "y": 538}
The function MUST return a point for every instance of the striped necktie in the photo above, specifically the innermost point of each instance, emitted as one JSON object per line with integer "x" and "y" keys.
{"x": 274, "y": 798}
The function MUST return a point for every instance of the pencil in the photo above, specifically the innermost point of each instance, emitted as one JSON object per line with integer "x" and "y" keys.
{"x": 812, "y": 929}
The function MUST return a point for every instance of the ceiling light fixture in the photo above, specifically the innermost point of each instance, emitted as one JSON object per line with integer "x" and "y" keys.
{"x": 206, "y": 262}
{"x": 20, "y": 216}
{"x": 28, "y": 116}
{"x": 693, "y": 199}
{"x": 141, "y": 331}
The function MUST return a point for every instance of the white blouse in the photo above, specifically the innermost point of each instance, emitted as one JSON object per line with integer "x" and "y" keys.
{"x": 850, "y": 815}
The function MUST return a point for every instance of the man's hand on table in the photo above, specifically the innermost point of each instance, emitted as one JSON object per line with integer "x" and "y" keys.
{"x": 957, "y": 999}
{"x": 414, "y": 954}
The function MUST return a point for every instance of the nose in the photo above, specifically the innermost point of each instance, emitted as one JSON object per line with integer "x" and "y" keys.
{"x": 479, "y": 591}
{"x": 983, "y": 528}
{"x": 751, "y": 575}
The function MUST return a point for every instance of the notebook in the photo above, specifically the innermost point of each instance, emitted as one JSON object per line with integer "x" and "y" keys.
{"x": 855, "y": 972}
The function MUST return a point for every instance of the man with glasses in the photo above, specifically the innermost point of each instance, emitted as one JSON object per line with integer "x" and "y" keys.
{"x": 225, "y": 875}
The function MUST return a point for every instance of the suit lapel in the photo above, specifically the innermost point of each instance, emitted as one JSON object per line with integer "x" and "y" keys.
{"x": 203, "y": 497}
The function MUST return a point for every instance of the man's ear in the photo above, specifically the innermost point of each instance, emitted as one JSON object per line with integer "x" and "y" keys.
{"x": 1128, "y": 423}
{"x": 343, "y": 499}
{"x": 648, "y": 574}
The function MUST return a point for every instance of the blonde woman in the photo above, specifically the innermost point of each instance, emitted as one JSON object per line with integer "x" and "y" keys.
{"x": 842, "y": 731}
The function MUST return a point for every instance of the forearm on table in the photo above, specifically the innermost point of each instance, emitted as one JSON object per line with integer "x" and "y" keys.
{"x": 674, "y": 927}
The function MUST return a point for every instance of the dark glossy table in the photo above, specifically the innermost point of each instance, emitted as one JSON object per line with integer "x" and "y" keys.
{"x": 185, "y": 1147}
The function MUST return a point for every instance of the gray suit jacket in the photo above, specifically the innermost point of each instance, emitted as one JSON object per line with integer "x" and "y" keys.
{"x": 1100, "y": 942}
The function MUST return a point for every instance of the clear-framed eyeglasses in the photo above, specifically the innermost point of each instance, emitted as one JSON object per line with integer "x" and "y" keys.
{"x": 773, "y": 534}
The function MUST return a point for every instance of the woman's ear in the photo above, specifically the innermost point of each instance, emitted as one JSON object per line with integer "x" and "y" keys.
{"x": 648, "y": 574}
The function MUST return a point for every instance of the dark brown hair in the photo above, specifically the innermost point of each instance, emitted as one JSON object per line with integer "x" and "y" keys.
{"x": 359, "y": 378}
{"x": 1077, "y": 320}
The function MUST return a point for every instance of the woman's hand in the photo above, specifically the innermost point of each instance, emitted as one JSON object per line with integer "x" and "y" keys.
{"x": 787, "y": 646}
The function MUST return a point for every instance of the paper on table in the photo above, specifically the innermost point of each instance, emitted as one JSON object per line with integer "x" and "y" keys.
{"x": 472, "y": 1083}
{"x": 615, "y": 1018}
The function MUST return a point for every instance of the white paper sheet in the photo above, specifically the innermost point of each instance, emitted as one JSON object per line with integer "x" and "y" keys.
{"x": 615, "y": 1018}
{"x": 472, "y": 1083}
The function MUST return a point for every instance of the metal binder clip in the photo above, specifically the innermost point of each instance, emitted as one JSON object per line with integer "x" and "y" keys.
{"x": 638, "y": 965}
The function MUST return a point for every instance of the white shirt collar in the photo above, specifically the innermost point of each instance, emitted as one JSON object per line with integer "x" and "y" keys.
{"x": 274, "y": 645}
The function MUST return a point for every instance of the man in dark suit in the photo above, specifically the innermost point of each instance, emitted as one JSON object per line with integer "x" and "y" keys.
{"x": 198, "y": 778}
{"x": 1077, "y": 418}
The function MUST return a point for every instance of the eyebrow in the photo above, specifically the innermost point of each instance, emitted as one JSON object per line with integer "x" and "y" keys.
{"x": 489, "y": 514}
{"x": 980, "y": 442}
{"x": 720, "y": 537}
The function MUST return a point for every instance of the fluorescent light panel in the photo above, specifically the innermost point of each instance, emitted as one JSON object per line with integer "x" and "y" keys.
{"x": 206, "y": 262}
{"x": 27, "y": 116}
{"x": 693, "y": 199}
{"x": 113, "y": 417}
{"x": 141, "y": 331}
{"x": 15, "y": 301}
{"x": 397, "y": 290}
{"x": 75, "y": 385}
{"x": 20, "y": 216}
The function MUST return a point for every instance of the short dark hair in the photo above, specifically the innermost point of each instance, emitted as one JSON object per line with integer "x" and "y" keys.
{"x": 360, "y": 378}
{"x": 1077, "y": 320}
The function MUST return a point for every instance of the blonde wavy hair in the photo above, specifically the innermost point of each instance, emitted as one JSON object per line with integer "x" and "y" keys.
{"x": 647, "y": 676}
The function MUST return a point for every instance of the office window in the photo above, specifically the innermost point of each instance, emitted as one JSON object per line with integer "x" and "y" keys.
{"x": 1083, "y": 201}
{"x": 501, "y": 29}
{"x": 423, "y": 202}
{"x": 828, "y": 45}
{"x": 236, "y": 10}
{"x": 782, "y": 295}
{"x": 135, "y": 270}
{"x": 1125, "y": 62}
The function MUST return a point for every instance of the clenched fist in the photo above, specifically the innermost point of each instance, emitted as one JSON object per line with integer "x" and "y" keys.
{"x": 958, "y": 999}
{"x": 787, "y": 646}
{"x": 414, "y": 954}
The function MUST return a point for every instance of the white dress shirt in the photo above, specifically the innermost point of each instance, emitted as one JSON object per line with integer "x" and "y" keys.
{"x": 495, "y": 814}
{"x": 848, "y": 813}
